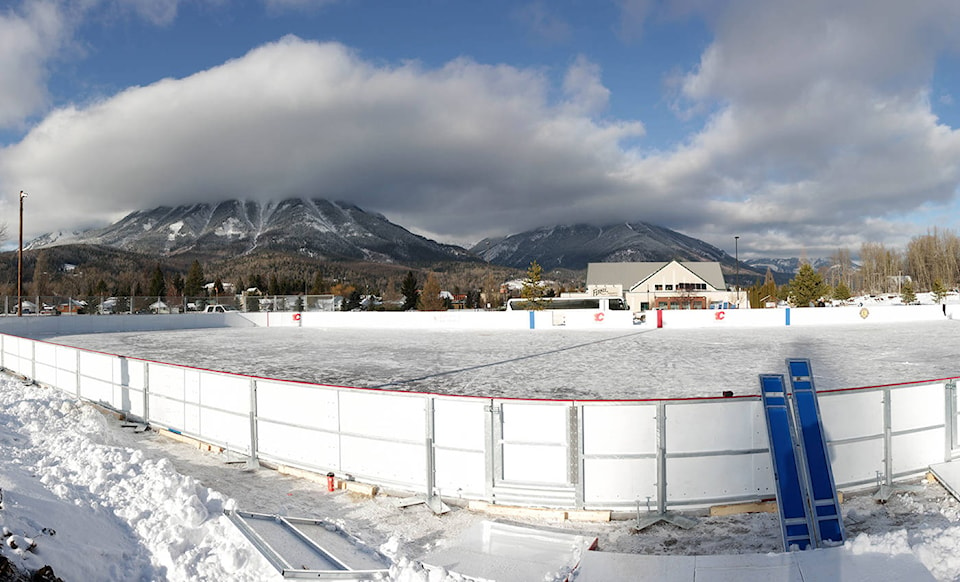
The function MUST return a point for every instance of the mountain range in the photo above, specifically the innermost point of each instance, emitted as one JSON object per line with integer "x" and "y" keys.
{"x": 320, "y": 229}
{"x": 314, "y": 228}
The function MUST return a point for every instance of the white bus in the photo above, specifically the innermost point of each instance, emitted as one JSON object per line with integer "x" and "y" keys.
{"x": 550, "y": 303}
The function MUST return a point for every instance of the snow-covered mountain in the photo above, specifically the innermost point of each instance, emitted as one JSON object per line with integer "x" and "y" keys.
{"x": 312, "y": 227}
{"x": 576, "y": 245}
{"x": 785, "y": 266}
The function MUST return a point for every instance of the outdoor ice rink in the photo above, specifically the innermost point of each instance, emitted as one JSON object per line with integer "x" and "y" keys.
{"x": 638, "y": 363}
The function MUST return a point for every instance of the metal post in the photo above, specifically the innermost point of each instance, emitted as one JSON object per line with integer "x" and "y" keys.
{"x": 950, "y": 419}
{"x": 736, "y": 250}
{"x": 254, "y": 461}
{"x": 20, "y": 261}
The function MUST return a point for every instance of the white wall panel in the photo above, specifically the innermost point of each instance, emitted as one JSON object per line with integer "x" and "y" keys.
{"x": 391, "y": 461}
{"x": 389, "y": 416}
{"x": 619, "y": 429}
{"x": 96, "y": 389}
{"x": 619, "y": 481}
{"x": 856, "y": 462}
{"x": 167, "y": 381}
{"x": 225, "y": 391}
{"x": 839, "y": 424}
{"x": 308, "y": 448}
{"x": 913, "y": 453}
{"x": 917, "y": 406}
{"x": 528, "y": 422}
{"x": 720, "y": 425}
{"x": 731, "y": 476}
{"x": 460, "y": 423}
{"x": 460, "y": 471}
{"x": 225, "y": 428}
{"x": 166, "y": 412}
{"x": 301, "y": 404}
{"x": 97, "y": 365}
{"x": 535, "y": 464}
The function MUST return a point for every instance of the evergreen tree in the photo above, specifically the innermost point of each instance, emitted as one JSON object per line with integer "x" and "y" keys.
{"x": 532, "y": 289}
{"x": 158, "y": 284}
{"x": 841, "y": 292}
{"x": 193, "y": 286}
{"x": 352, "y": 301}
{"x": 178, "y": 284}
{"x": 218, "y": 286}
{"x": 807, "y": 287}
{"x": 273, "y": 288}
{"x": 430, "y": 299}
{"x": 939, "y": 291}
{"x": 907, "y": 295}
{"x": 408, "y": 288}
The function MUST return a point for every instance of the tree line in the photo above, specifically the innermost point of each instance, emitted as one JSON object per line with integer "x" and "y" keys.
{"x": 930, "y": 263}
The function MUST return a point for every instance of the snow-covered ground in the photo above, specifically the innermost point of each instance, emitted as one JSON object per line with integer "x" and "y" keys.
{"x": 102, "y": 502}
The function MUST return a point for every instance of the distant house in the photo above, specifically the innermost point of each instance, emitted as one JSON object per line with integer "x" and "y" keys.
{"x": 662, "y": 285}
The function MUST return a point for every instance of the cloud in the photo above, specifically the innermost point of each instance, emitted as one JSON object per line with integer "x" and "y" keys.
{"x": 821, "y": 122}
{"x": 297, "y": 118}
{"x": 815, "y": 132}
{"x": 545, "y": 25}
{"x": 28, "y": 39}
{"x": 286, "y": 6}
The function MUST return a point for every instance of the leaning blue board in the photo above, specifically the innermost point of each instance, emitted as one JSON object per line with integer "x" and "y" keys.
{"x": 795, "y": 523}
{"x": 823, "y": 491}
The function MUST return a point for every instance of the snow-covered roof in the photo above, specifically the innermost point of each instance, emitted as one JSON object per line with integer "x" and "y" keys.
{"x": 629, "y": 274}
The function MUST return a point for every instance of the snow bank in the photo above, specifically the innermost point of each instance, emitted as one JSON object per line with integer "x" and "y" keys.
{"x": 99, "y": 512}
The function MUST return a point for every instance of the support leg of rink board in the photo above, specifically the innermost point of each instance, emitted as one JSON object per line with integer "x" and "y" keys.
{"x": 795, "y": 524}
{"x": 826, "y": 513}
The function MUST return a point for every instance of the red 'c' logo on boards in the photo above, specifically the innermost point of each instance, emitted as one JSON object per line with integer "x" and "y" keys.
{"x": 720, "y": 315}
{"x": 598, "y": 317}
{"x": 296, "y": 317}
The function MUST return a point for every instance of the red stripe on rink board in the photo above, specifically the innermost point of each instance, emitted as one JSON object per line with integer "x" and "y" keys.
{"x": 474, "y": 396}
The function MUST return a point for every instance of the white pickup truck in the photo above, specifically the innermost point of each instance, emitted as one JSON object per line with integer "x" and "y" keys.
{"x": 219, "y": 309}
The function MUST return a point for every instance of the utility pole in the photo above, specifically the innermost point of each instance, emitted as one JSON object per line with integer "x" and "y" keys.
{"x": 20, "y": 261}
{"x": 736, "y": 251}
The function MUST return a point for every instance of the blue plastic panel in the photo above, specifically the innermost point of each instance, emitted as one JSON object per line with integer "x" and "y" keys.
{"x": 823, "y": 492}
{"x": 795, "y": 522}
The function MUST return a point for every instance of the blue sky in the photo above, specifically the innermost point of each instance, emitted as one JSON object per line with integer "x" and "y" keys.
{"x": 800, "y": 127}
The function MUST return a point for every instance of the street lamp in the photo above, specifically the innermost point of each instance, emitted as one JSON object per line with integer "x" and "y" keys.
{"x": 736, "y": 251}
{"x": 20, "y": 261}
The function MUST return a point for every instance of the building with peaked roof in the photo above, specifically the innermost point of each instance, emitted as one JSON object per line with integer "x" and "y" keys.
{"x": 662, "y": 285}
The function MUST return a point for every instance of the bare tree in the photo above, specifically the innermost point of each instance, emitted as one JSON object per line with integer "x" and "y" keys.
{"x": 933, "y": 257}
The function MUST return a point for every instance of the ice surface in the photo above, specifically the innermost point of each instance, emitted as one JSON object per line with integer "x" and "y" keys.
{"x": 556, "y": 364}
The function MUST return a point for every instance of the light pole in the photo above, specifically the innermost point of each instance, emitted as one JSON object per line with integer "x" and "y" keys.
{"x": 736, "y": 251}
{"x": 20, "y": 261}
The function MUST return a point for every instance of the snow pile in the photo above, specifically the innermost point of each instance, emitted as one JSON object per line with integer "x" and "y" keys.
{"x": 98, "y": 512}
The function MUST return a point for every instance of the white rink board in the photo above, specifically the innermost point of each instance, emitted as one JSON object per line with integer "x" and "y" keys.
{"x": 298, "y": 404}
{"x": 713, "y": 419}
{"x": 619, "y": 482}
{"x": 605, "y": 451}
{"x": 396, "y": 463}
{"x": 856, "y": 462}
{"x": 839, "y": 424}
{"x": 619, "y": 429}
{"x": 743, "y": 476}
{"x": 166, "y": 380}
{"x": 914, "y": 407}
{"x": 224, "y": 391}
{"x": 225, "y": 428}
{"x": 460, "y": 436}
{"x": 382, "y": 415}
{"x": 915, "y": 452}
{"x": 299, "y": 446}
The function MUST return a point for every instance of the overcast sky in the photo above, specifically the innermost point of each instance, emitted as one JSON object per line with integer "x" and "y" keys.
{"x": 801, "y": 127}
